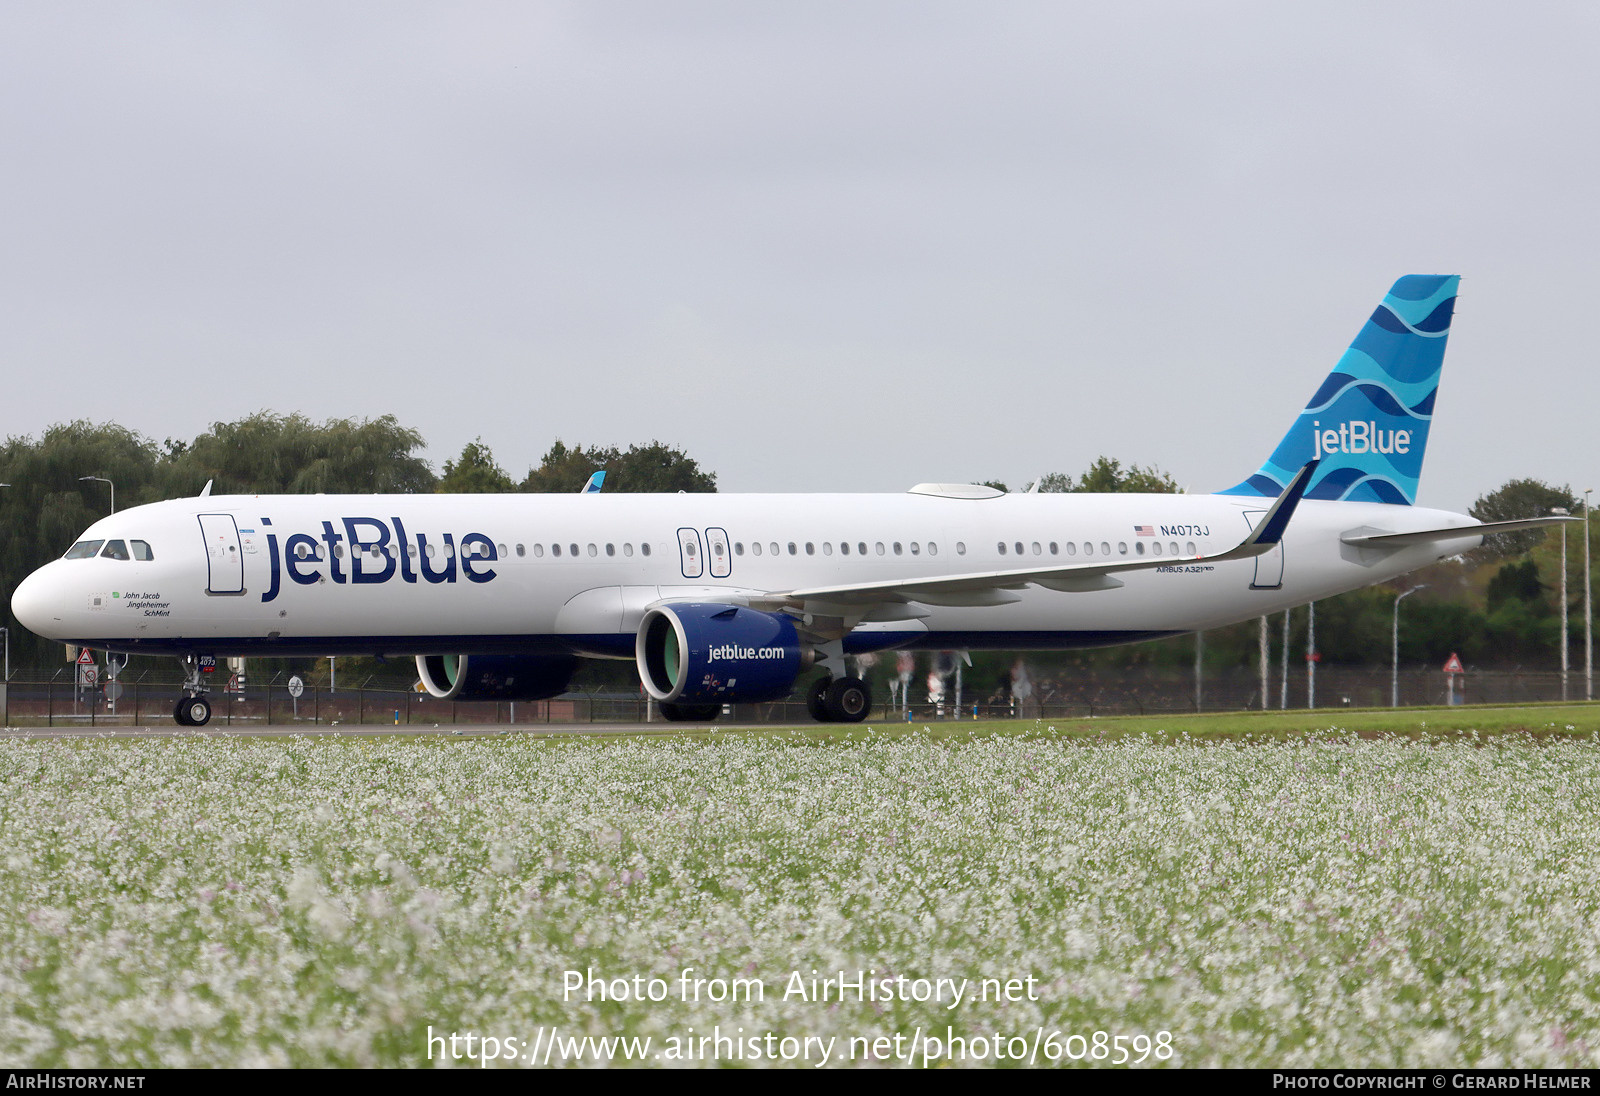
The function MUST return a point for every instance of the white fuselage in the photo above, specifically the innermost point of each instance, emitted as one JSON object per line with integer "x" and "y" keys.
{"x": 274, "y": 575}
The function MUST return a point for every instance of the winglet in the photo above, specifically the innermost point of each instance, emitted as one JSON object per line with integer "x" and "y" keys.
{"x": 596, "y": 481}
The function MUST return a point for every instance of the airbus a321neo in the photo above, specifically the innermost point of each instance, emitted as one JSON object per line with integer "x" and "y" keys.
{"x": 726, "y": 598}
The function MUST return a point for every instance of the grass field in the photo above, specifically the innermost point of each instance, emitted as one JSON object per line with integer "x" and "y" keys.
{"x": 1414, "y": 888}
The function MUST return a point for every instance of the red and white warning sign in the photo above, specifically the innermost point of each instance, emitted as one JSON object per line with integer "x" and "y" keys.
{"x": 1453, "y": 664}
{"x": 86, "y": 657}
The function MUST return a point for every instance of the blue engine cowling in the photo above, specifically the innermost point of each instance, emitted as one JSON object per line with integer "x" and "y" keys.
{"x": 727, "y": 654}
{"x": 495, "y": 677}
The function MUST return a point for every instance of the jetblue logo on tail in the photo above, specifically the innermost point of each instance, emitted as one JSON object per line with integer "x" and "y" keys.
{"x": 1368, "y": 421}
{"x": 1359, "y": 437}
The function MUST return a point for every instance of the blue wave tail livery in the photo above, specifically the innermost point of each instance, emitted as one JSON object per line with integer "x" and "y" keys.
{"x": 721, "y": 599}
{"x": 1368, "y": 422}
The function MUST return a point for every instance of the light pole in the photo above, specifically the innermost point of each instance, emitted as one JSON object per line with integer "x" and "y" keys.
{"x": 113, "y": 486}
{"x": 1588, "y": 606}
{"x": 1311, "y": 654}
{"x": 1394, "y": 647}
{"x": 1561, "y": 511}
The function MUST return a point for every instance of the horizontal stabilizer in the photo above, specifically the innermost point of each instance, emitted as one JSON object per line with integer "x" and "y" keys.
{"x": 1457, "y": 532}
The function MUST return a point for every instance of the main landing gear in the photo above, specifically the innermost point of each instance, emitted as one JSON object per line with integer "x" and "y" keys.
{"x": 839, "y": 700}
{"x": 192, "y": 709}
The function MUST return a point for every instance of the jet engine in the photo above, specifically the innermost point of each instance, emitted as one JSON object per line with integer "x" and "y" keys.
{"x": 495, "y": 677}
{"x": 716, "y": 654}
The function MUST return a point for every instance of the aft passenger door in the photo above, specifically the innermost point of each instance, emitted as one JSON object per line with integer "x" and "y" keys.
{"x": 1269, "y": 565}
{"x": 224, "y": 564}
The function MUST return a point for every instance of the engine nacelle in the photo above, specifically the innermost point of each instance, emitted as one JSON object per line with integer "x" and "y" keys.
{"x": 495, "y": 677}
{"x": 725, "y": 654}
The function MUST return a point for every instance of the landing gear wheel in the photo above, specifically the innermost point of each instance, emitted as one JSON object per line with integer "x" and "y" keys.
{"x": 193, "y": 711}
{"x": 689, "y": 713}
{"x": 817, "y": 700}
{"x": 848, "y": 700}
{"x": 180, "y": 712}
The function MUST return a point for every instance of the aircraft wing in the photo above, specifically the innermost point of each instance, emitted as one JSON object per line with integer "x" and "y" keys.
{"x": 1368, "y": 539}
{"x": 988, "y": 587}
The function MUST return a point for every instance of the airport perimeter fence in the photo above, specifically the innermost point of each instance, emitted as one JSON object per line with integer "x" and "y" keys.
{"x": 149, "y": 702}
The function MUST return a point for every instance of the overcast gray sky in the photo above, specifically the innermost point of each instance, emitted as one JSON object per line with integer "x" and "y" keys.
{"x": 819, "y": 246}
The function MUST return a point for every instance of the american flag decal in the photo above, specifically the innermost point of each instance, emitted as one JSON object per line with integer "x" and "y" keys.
{"x": 1144, "y": 530}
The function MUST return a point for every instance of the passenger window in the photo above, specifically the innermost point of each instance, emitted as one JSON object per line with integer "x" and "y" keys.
{"x": 961, "y": 547}
{"x": 1138, "y": 548}
{"x": 1019, "y": 547}
{"x": 755, "y": 547}
{"x": 627, "y": 548}
{"x": 738, "y": 547}
{"x": 1105, "y": 548}
{"x": 84, "y": 549}
{"x": 844, "y": 547}
{"x": 827, "y": 547}
{"x": 1174, "y": 547}
{"x": 611, "y": 549}
{"x": 555, "y": 550}
{"x": 792, "y": 550}
{"x": 538, "y": 551}
{"x": 933, "y": 549}
{"x": 1088, "y": 548}
{"x": 593, "y": 551}
{"x": 1122, "y": 547}
{"x": 880, "y": 547}
{"x": 1072, "y": 549}
{"x": 1054, "y": 550}
{"x": 115, "y": 549}
{"x": 916, "y": 549}
{"x": 645, "y": 548}
{"x": 897, "y": 548}
{"x": 861, "y": 548}
{"x": 811, "y": 549}
{"x": 572, "y": 550}
{"x": 1001, "y": 546}
{"x": 1191, "y": 547}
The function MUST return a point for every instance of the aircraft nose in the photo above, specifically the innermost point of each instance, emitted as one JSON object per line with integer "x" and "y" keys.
{"x": 34, "y": 606}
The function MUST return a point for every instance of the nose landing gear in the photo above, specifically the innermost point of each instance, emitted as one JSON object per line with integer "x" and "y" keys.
{"x": 192, "y": 709}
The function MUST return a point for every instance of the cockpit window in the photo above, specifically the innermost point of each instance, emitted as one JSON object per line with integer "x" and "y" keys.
{"x": 115, "y": 549}
{"x": 84, "y": 549}
{"x": 141, "y": 550}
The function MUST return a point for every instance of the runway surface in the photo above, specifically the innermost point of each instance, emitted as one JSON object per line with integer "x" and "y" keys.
{"x": 373, "y": 730}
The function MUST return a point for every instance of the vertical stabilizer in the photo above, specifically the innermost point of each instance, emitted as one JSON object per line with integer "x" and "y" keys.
{"x": 1368, "y": 422}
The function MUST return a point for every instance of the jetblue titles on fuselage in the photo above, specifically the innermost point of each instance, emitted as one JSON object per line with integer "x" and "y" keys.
{"x": 378, "y": 552}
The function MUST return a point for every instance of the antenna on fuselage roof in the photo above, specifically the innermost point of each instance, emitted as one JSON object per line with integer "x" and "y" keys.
{"x": 205, "y": 492}
{"x": 1033, "y": 488}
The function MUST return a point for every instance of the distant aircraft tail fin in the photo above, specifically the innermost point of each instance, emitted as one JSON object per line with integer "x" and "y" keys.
{"x": 1368, "y": 423}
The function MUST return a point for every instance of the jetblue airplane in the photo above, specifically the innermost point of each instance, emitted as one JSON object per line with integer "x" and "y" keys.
{"x": 727, "y": 598}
